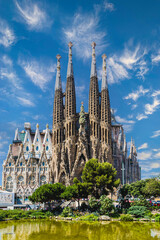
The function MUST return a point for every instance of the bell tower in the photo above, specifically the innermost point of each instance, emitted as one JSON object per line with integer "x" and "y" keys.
{"x": 58, "y": 117}
{"x": 106, "y": 136}
{"x": 94, "y": 108}
{"x": 70, "y": 114}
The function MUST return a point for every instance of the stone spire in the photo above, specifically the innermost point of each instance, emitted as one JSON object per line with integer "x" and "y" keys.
{"x": 93, "y": 64}
{"x": 131, "y": 147}
{"x": 104, "y": 73}
{"x": 70, "y": 65}
{"x": 58, "y": 84}
{"x": 70, "y": 95}
{"x": 17, "y": 138}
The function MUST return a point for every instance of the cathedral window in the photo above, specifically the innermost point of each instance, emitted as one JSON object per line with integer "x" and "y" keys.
{"x": 47, "y": 148}
{"x": 9, "y": 184}
{"x": 37, "y": 148}
{"x": 43, "y": 164}
{"x": 9, "y": 164}
{"x": 27, "y": 148}
{"x": 47, "y": 139}
{"x": 20, "y": 163}
{"x": 37, "y": 139}
{"x": 42, "y": 180}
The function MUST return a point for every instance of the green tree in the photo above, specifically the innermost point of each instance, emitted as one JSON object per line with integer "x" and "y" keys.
{"x": 94, "y": 204}
{"x": 152, "y": 187}
{"x": 100, "y": 176}
{"x": 135, "y": 189}
{"x": 47, "y": 193}
{"x": 76, "y": 191}
{"x": 106, "y": 205}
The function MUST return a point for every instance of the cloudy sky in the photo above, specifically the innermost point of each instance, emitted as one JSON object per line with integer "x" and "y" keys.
{"x": 33, "y": 32}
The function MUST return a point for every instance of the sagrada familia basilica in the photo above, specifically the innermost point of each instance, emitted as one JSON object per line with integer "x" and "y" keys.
{"x": 58, "y": 155}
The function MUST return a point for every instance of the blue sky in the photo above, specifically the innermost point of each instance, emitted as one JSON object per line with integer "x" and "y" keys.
{"x": 33, "y": 32}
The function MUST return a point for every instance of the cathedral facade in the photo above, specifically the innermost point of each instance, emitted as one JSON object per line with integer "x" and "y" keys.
{"x": 58, "y": 155}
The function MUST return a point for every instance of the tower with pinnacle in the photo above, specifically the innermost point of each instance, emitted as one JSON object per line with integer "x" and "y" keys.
{"x": 77, "y": 137}
{"x": 58, "y": 155}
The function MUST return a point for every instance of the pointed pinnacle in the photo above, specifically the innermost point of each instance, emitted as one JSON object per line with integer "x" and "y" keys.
{"x": 70, "y": 44}
{"x": 93, "y": 44}
{"x": 104, "y": 56}
{"x": 58, "y": 56}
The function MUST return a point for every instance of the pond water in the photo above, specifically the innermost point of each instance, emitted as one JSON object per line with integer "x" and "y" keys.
{"x": 55, "y": 230}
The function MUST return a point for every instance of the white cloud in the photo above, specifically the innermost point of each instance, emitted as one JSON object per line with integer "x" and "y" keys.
{"x": 157, "y": 155}
{"x": 35, "y": 17}
{"x": 123, "y": 120}
{"x": 151, "y": 108}
{"x": 156, "y": 93}
{"x": 128, "y": 128}
{"x": 38, "y": 72}
{"x": 108, "y": 6}
{"x": 7, "y": 36}
{"x": 130, "y": 61}
{"x": 156, "y": 134}
{"x": 134, "y": 106}
{"x": 144, "y": 155}
{"x": 25, "y": 102}
{"x": 14, "y": 89}
{"x": 156, "y": 149}
{"x": 82, "y": 31}
{"x": 133, "y": 58}
{"x": 143, "y": 146}
{"x": 116, "y": 71}
{"x": 156, "y": 58}
{"x": 137, "y": 94}
{"x": 141, "y": 116}
{"x": 6, "y": 60}
{"x": 127, "y": 124}
{"x": 155, "y": 165}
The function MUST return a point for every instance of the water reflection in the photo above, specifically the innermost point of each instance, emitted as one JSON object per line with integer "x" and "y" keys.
{"x": 47, "y": 230}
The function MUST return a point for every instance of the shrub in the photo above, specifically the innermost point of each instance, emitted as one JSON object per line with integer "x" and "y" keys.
{"x": 126, "y": 218}
{"x": 90, "y": 217}
{"x": 157, "y": 219}
{"x": 67, "y": 212}
{"x": 141, "y": 202}
{"x": 94, "y": 204}
{"x": 106, "y": 205}
{"x": 137, "y": 211}
{"x": 38, "y": 214}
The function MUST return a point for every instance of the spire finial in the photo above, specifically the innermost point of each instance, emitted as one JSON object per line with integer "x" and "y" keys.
{"x": 70, "y": 66}
{"x": 37, "y": 126}
{"x": 58, "y": 84}
{"x": 47, "y": 126}
{"x": 104, "y": 73}
{"x": 93, "y": 64}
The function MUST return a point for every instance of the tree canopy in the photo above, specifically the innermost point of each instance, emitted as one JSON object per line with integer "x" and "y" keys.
{"x": 100, "y": 176}
{"x": 47, "y": 192}
{"x": 145, "y": 188}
